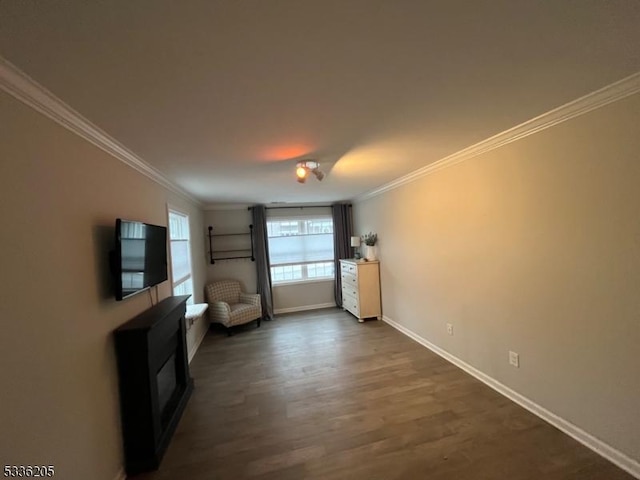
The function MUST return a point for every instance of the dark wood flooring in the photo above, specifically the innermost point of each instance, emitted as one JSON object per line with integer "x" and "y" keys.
{"x": 320, "y": 396}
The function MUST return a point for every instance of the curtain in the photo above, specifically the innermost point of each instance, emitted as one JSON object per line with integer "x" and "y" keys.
{"x": 261, "y": 246}
{"x": 342, "y": 231}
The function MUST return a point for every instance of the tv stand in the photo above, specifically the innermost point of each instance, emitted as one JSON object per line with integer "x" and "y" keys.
{"x": 155, "y": 384}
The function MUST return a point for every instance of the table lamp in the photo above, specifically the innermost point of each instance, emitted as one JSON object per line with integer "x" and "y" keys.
{"x": 355, "y": 243}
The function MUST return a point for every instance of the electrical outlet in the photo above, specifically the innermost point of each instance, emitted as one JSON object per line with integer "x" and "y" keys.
{"x": 449, "y": 328}
{"x": 514, "y": 359}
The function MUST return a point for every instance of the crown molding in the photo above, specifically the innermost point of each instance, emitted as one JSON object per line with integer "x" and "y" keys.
{"x": 22, "y": 87}
{"x": 592, "y": 101}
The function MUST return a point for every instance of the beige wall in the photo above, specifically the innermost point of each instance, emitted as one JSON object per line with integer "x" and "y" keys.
{"x": 535, "y": 248}
{"x": 286, "y": 298}
{"x": 303, "y": 296}
{"x": 59, "y": 198}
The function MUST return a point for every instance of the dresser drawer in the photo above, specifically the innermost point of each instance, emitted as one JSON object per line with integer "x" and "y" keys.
{"x": 348, "y": 290}
{"x": 348, "y": 268}
{"x": 349, "y": 279}
{"x": 350, "y": 304}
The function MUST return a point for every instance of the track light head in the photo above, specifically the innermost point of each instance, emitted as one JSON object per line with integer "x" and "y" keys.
{"x": 301, "y": 174}
{"x": 304, "y": 167}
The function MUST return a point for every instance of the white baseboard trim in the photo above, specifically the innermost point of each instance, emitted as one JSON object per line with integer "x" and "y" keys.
{"x": 121, "y": 475}
{"x": 601, "y": 448}
{"x": 197, "y": 345}
{"x": 303, "y": 308}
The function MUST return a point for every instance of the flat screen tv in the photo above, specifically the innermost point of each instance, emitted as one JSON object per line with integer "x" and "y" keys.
{"x": 140, "y": 259}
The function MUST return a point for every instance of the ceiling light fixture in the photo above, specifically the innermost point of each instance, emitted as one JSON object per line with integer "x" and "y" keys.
{"x": 305, "y": 167}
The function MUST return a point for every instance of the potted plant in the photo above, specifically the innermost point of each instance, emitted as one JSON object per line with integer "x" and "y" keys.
{"x": 370, "y": 239}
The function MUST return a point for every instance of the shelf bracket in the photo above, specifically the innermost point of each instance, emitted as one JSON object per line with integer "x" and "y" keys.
{"x": 211, "y": 245}
{"x": 253, "y": 258}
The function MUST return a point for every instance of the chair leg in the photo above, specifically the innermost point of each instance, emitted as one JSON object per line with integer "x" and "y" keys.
{"x": 259, "y": 320}
{"x": 229, "y": 331}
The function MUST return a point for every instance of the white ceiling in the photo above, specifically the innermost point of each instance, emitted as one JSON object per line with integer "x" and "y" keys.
{"x": 224, "y": 96}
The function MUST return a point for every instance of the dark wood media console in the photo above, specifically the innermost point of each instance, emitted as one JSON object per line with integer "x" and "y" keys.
{"x": 155, "y": 384}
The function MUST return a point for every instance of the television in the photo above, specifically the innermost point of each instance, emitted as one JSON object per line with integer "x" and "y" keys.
{"x": 140, "y": 257}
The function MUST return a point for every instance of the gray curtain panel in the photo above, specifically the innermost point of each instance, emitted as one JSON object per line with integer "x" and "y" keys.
{"x": 342, "y": 231}
{"x": 261, "y": 245}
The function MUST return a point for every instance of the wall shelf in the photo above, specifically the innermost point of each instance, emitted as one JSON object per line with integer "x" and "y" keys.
{"x": 230, "y": 253}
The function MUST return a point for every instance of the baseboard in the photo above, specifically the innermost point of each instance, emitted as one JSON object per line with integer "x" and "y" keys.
{"x": 603, "y": 449}
{"x": 121, "y": 475}
{"x": 197, "y": 345}
{"x": 303, "y": 308}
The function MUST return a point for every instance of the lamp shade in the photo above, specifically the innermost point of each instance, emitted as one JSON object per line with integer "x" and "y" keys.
{"x": 355, "y": 241}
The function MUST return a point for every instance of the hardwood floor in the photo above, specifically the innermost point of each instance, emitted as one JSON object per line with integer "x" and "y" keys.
{"x": 320, "y": 396}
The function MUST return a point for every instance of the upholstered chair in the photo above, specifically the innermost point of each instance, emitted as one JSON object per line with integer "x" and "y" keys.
{"x": 229, "y": 306}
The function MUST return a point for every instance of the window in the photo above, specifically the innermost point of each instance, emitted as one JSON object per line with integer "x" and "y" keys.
{"x": 180, "y": 255}
{"x": 301, "y": 249}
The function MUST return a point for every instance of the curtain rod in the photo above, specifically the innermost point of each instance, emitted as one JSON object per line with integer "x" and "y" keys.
{"x": 301, "y": 207}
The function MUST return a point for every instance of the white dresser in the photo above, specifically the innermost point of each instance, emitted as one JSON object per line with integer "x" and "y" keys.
{"x": 361, "y": 288}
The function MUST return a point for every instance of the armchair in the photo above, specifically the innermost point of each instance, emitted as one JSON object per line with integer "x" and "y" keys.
{"x": 229, "y": 306}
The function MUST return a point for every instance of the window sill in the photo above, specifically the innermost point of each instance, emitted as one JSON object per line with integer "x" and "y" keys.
{"x": 302, "y": 282}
